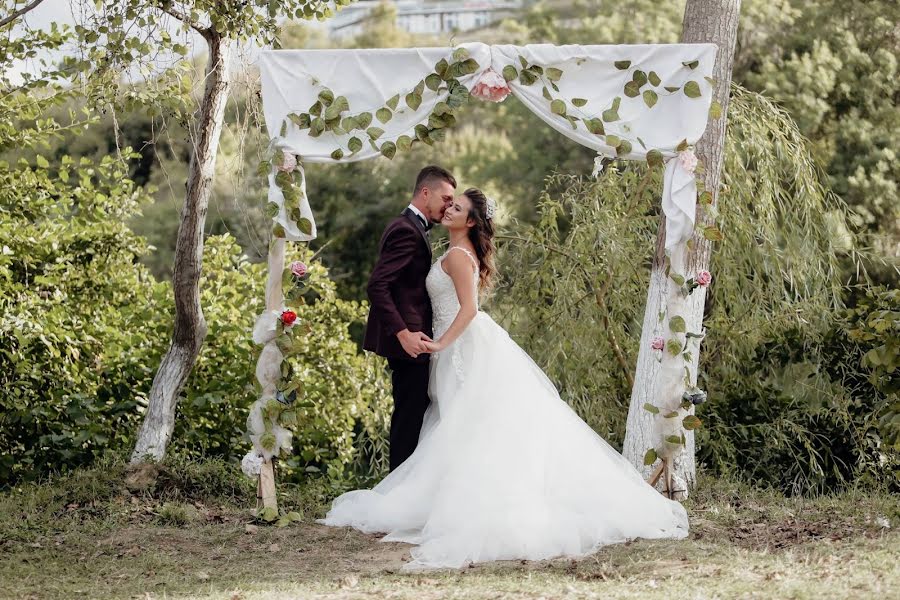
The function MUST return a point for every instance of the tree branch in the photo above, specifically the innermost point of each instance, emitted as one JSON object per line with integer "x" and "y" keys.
{"x": 174, "y": 12}
{"x": 27, "y": 8}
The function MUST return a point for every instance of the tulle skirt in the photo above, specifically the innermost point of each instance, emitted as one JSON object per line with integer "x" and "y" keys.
{"x": 505, "y": 469}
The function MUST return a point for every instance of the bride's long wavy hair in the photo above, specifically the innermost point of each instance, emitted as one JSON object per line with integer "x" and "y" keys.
{"x": 482, "y": 237}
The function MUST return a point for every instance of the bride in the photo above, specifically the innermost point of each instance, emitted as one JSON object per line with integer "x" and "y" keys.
{"x": 504, "y": 468}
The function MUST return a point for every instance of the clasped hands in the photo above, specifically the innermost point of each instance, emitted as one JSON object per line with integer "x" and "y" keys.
{"x": 416, "y": 342}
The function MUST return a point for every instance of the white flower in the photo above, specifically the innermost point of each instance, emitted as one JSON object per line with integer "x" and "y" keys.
{"x": 289, "y": 163}
{"x": 688, "y": 160}
{"x": 598, "y": 166}
{"x": 251, "y": 464}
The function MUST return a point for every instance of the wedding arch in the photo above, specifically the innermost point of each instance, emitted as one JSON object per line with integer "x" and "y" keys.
{"x": 632, "y": 102}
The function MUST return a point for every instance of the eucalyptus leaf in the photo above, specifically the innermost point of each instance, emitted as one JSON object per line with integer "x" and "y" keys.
{"x": 440, "y": 68}
{"x": 558, "y": 107}
{"x": 375, "y": 132}
{"x": 326, "y": 97}
{"x": 433, "y": 82}
{"x": 632, "y": 89}
{"x": 510, "y": 73}
{"x": 672, "y": 88}
{"x": 682, "y": 146}
{"x": 673, "y": 347}
{"x": 691, "y": 422}
{"x": 527, "y": 77}
{"x": 613, "y": 141}
{"x": 404, "y": 143}
{"x": 393, "y": 102}
{"x": 305, "y": 226}
{"x": 692, "y": 64}
{"x": 460, "y": 54}
{"x": 623, "y": 148}
{"x": 354, "y": 144}
{"x": 676, "y": 323}
{"x": 363, "y": 120}
{"x": 622, "y": 64}
{"x": 651, "y": 408}
{"x": 650, "y": 457}
{"x": 594, "y": 126}
{"x": 579, "y": 102}
{"x": 639, "y": 77}
{"x": 389, "y": 149}
{"x": 302, "y": 121}
{"x": 650, "y": 98}
{"x": 339, "y": 105}
{"x": 383, "y": 114}
{"x": 272, "y": 210}
{"x": 554, "y": 74}
{"x": 546, "y": 93}
{"x": 337, "y": 154}
{"x": 654, "y": 79}
{"x": 674, "y": 439}
{"x": 413, "y": 101}
{"x": 715, "y": 110}
{"x": 469, "y": 66}
{"x": 278, "y": 230}
{"x": 692, "y": 89}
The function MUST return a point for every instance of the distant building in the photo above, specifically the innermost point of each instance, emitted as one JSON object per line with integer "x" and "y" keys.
{"x": 423, "y": 16}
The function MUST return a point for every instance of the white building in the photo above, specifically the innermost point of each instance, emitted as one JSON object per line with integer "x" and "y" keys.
{"x": 423, "y": 16}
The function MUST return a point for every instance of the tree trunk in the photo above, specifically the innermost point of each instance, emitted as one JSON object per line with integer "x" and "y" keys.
{"x": 705, "y": 21}
{"x": 190, "y": 326}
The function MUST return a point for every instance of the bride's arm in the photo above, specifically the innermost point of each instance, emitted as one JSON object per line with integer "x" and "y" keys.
{"x": 460, "y": 268}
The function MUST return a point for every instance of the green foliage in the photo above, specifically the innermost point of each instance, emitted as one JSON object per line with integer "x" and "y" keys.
{"x": 79, "y": 315}
{"x": 835, "y": 69}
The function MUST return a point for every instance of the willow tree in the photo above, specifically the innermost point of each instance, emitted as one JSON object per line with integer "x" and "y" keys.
{"x": 580, "y": 271}
{"x": 222, "y": 25}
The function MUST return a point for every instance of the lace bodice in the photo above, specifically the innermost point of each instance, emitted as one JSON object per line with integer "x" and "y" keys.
{"x": 444, "y": 303}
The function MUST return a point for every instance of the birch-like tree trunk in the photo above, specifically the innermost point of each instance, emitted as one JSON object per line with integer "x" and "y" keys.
{"x": 190, "y": 325}
{"x": 705, "y": 21}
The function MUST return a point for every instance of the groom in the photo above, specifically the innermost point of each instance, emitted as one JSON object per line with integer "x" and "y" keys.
{"x": 400, "y": 315}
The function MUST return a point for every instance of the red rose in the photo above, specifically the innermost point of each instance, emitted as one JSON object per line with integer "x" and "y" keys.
{"x": 288, "y": 317}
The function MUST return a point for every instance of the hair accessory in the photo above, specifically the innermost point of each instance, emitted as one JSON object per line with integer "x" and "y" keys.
{"x": 490, "y": 208}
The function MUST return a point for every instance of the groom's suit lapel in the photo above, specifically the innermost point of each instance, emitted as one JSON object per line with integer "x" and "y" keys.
{"x": 419, "y": 225}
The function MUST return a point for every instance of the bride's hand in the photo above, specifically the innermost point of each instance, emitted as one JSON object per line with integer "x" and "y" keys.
{"x": 434, "y": 346}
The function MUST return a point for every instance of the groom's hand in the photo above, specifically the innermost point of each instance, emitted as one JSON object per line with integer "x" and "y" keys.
{"x": 413, "y": 342}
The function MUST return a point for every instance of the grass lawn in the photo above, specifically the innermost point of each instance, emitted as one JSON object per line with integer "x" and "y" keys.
{"x": 192, "y": 536}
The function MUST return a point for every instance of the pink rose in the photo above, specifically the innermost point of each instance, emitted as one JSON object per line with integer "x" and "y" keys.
{"x": 288, "y": 164}
{"x": 288, "y": 317}
{"x": 298, "y": 268}
{"x": 688, "y": 160}
{"x": 491, "y": 87}
{"x": 703, "y": 278}
{"x": 658, "y": 343}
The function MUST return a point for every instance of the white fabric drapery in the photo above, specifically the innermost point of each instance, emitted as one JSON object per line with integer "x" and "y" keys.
{"x": 292, "y": 80}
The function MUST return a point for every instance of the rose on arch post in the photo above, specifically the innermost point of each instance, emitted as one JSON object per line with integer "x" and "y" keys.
{"x": 704, "y": 278}
{"x": 658, "y": 343}
{"x": 288, "y": 164}
{"x": 688, "y": 160}
{"x": 299, "y": 269}
{"x": 288, "y": 317}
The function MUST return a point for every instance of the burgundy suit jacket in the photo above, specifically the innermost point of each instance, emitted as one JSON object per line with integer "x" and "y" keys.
{"x": 397, "y": 295}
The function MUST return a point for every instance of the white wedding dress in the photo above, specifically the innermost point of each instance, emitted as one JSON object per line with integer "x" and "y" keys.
{"x": 504, "y": 468}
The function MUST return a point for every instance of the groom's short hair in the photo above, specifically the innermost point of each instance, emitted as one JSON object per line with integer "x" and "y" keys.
{"x": 432, "y": 174}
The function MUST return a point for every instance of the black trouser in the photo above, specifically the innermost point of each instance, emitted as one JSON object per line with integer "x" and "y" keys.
{"x": 410, "y": 383}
